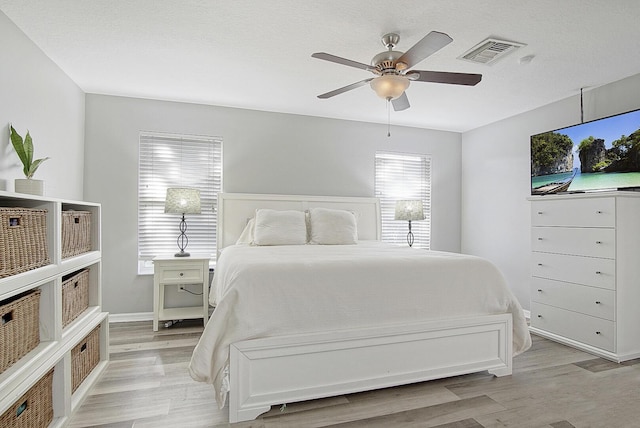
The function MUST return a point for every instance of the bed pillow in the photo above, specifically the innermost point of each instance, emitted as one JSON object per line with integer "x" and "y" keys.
{"x": 332, "y": 227}
{"x": 246, "y": 237}
{"x": 274, "y": 227}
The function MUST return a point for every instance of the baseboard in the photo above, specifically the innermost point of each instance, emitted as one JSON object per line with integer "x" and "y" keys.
{"x": 136, "y": 316}
{"x": 131, "y": 317}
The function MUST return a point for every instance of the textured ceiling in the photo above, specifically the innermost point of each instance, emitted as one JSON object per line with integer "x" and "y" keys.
{"x": 256, "y": 54}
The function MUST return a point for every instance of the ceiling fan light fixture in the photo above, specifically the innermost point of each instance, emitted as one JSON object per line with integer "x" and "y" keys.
{"x": 389, "y": 86}
{"x": 394, "y": 69}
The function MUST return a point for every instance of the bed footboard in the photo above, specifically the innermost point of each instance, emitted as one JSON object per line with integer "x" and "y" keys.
{"x": 285, "y": 369}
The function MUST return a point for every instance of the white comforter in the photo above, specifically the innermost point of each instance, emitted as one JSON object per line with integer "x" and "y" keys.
{"x": 270, "y": 291}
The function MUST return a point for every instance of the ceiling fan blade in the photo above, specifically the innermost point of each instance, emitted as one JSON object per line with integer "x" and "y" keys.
{"x": 432, "y": 42}
{"x": 345, "y": 89}
{"x": 343, "y": 61}
{"x": 401, "y": 103}
{"x": 445, "y": 77}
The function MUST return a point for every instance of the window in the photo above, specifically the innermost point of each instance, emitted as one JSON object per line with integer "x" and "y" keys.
{"x": 168, "y": 160}
{"x": 401, "y": 176}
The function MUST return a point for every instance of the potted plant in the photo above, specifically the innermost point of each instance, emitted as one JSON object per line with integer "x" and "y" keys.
{"x": 24, "y": 150}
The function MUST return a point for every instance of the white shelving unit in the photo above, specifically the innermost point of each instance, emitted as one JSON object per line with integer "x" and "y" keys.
{"x": 56, "y": 342}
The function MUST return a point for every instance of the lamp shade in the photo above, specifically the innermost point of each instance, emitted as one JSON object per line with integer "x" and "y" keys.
{"x": 409, "y": 210}
{"x": 182, "y": 200}
{"x": 389, "y": 86}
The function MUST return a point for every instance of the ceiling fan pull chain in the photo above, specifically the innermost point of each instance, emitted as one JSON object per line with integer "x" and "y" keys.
{"x": 388, "y": 118}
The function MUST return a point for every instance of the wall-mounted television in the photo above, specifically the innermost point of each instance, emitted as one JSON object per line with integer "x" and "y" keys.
{"x": 603, "y": 154}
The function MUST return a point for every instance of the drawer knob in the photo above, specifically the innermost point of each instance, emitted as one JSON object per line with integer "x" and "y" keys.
{"x": 598, "y": 272}
{"x": 598, "y": 212}
{"x": 539, "y": 212}
{"x": 598, "y": 302}
{"x": 539, "y": 316}
{"x": 597, "y": 332}
{"x": 539, "y": 264}
{"x": 539, "y": 239}
{"x": 598, "y": 242}
{"x": 181, "y": 274}
{"x": 539, "y": 290}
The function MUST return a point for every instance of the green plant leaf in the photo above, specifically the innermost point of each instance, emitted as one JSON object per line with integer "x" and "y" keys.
{"x": 34, "y": 166}
{"x": 28, "y": 149}
{"x": 18, "y": 146}
{"x": 24, "y": 150}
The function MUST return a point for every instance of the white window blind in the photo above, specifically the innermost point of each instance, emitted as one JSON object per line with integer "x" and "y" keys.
{"x": 401, "y": 176}
{"x": 168, "y": 160}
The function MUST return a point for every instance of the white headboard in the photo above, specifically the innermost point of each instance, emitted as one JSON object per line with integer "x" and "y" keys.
{"x": 235, "y": 209}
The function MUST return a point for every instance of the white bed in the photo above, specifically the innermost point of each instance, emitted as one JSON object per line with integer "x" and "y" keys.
{"x": 297, "y": 322}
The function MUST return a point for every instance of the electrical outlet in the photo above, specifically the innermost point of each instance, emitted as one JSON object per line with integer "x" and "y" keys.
{"x": 182, "y": 289}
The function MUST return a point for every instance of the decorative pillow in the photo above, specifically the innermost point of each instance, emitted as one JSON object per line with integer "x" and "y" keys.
{"x": 246, "y": 237}
{"x": 274, "y": 227}
{"x": 332, "y": 227}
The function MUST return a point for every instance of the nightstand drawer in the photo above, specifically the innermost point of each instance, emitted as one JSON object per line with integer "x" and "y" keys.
{"x": 577, "y": 269}
{"x": 583, "y": 328}
{"x": 593, "y": 301}
{"x": 578, "y": 241}
{"x": 180, "y": 275}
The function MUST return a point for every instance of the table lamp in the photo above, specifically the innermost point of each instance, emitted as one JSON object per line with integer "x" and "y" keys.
{"x": 182, "y": 200}
{"x": 409, "y": 210}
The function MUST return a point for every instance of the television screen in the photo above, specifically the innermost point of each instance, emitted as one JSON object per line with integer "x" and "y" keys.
{"x": 597, "y": 155}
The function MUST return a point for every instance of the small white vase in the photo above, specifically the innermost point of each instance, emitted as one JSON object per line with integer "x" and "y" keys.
{"x": 29, "y": 185}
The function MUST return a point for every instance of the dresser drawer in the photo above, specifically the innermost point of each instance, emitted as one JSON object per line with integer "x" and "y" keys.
{"x": 582, "y": 328}
{"x": 579, "y": 241}
{"x": 577, "y": 269}
{"x": 593, "y": 212}
{"x": 593, "y": 301}
{"x": 180, "y": 275}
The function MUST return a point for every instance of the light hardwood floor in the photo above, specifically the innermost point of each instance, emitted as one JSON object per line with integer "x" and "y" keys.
{"x": 147, "y": 385}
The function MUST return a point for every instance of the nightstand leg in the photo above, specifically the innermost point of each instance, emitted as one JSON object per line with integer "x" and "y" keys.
{"x": 156, "y": 306}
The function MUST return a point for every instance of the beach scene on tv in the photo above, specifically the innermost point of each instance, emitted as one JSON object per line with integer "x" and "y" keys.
{"x": 599, "y": 155}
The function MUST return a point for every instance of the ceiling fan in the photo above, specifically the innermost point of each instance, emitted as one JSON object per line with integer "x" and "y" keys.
{"x": 392, "y": 69}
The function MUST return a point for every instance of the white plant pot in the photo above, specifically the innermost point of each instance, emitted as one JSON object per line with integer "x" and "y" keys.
{"x": 30, "y": 186}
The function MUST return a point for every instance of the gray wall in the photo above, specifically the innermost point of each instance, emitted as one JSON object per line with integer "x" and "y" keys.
{"x": 496, "y": 177}
{"x": 38, "y": 96}
{"x": 263, "y": 153}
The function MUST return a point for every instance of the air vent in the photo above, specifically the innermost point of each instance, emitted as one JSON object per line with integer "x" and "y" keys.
{"x": 490, "y": 51}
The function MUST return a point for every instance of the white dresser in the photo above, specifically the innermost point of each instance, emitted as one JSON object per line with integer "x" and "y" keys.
{"x": 585, "y": 287}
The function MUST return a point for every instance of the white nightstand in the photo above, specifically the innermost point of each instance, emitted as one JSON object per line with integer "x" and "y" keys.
{"x": 170, "y": 270}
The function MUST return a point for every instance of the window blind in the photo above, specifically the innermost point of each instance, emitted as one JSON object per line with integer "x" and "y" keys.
{"x": 401, "y": 176}
{"x": 167, "y": 160}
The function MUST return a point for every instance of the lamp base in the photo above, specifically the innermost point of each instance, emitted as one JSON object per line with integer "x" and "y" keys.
{"x": 182, "y": 240}
{"x": 410, "y": 238}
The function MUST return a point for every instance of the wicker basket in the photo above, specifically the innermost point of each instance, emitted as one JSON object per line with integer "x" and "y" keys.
{"x": 76, "y": 233}
{"x": 34, "y": 409}
{"x": 19, "y": 330}
{"x": 23, "y": 240}
{"x": 75, "y": 295}
{"x": 85, "y": 356}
